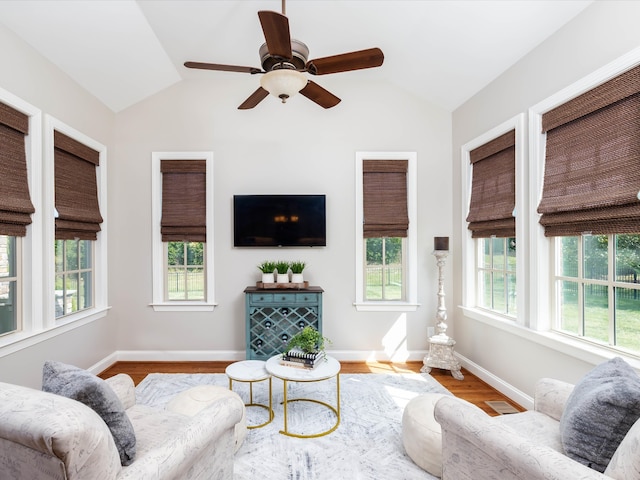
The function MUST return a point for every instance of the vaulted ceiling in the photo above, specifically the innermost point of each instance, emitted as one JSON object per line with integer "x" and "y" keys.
{"x": 444, "y": 51}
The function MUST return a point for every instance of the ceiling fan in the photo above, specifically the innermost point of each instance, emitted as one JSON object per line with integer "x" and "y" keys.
{"x": 284, "y": 62}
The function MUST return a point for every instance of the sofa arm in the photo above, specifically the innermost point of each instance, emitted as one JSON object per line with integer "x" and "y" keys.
{"x": 125, "y": 389}
{"x": 474, "y": 446}
{"x": 551, "y": 396}
{"x": 202, "y": 449}
{"x": 46, "y": 436}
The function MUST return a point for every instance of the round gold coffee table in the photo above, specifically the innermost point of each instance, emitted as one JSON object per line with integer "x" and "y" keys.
{"x": 327, "y": 369}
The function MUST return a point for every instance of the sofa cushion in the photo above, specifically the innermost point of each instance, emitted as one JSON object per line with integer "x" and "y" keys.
{"x": 599, "y": 412}
{"x": 83, "y": 386}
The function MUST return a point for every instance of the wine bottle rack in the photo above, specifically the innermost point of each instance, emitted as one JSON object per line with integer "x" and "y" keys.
{"x": 272, "y": 317}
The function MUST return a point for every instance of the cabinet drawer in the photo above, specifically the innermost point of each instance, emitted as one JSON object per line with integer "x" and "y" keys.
{"x": 307, "y": 298}
{"x": 286, "y": 298}
{"x": 260, "y": 298}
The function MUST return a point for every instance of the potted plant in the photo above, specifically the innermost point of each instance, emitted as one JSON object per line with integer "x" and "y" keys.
{"x": 296, "y": 271}
{"x": 282, "y": 269}
{"x": 267, "y": 268}
{"x": 305, "y": 349}
{"x": 309, "y": 340}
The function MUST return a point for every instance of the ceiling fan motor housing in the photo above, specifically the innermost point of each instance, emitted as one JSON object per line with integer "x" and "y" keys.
{"x": 300, "y": 54}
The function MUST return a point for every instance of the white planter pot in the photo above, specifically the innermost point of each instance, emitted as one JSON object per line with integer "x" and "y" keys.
{"x": 268, "y": 278}
{"x": 297, "y": 278}
{"x": 282, "y": 278}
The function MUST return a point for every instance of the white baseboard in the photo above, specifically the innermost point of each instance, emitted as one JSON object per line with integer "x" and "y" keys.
{"x": 503, "y": 387}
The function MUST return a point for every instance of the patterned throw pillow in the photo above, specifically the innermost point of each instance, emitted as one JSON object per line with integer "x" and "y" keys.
{"x": 602, "y": 408}
{"x": 78, "y": 384}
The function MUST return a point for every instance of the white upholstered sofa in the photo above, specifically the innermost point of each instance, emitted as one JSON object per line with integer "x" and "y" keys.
{"x": 525, "y": 446}
{"x": 48, "y": 436}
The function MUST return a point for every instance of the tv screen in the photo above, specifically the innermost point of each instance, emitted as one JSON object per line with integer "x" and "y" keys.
{"x": 279, "y": 221}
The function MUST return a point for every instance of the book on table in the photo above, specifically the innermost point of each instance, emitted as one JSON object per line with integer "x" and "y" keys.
{"x": 300, "y": 359}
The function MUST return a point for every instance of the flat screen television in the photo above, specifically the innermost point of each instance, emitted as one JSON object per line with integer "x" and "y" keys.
{"x": 279, "y": 221}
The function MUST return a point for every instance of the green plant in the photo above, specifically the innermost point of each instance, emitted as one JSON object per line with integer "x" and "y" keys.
{"x": 267, "y": 267}
{"x": 308, "y": 340}
{"x": 282, "y": 266}
{"x": 297, "y": 266}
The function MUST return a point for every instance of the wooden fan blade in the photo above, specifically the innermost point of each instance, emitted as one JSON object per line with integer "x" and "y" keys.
{"x": 255, "y": 98}
{"x": 322, "y": 97}
{"x": 224, "y": 68}
{"x": 372, "y": 57}
{"x": 276, "y": 32}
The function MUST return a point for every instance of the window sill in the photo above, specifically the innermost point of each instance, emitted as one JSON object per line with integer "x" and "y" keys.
{"x": 183, "y": 307}
{"x": 14, "y": 342}
{"x": 581, "y": 349}
{"x": 386, "y": 306}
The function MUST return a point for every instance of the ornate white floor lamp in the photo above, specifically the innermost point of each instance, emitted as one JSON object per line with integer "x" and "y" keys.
{"x": 441, "y": 345}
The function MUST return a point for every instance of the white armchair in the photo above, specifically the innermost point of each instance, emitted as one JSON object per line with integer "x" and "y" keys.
{"x": 525, "y": 446}
{"x": 47, "y": 436}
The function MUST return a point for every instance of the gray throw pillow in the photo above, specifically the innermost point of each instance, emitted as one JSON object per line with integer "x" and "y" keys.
{"x": 602, "y": 408}
{"x": 78, "y": 384}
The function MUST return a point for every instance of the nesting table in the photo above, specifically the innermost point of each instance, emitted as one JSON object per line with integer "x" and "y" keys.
{"x": 251, "y": 371}
{"x": 324, "y": 371}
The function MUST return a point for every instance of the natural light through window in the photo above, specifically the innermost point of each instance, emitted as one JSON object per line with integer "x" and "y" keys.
{"x": 598, "y": 289}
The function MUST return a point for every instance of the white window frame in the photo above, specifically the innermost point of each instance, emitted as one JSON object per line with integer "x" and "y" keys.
{"x": 100, "y": 264}
{"x": 29, "y": 250}
{"x": 37, "y": 263}
{"x": 535, "y": 322}
{"x": 410, "y": 259}
{"x": 471, "y": 248}
{"x": 543, "y": 273}
{"x": 159, "y": 303}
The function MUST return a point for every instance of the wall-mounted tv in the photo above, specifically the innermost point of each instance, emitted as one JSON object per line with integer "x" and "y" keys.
{"x": 279, "y": 221}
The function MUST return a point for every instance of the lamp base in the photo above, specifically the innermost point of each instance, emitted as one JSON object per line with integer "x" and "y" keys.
{"x": 441, "y": 356}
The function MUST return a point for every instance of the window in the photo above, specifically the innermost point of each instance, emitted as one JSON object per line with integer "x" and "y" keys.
{"x": 386, "y": 249}
{"x": 385, "y": 270}
{"x": 15, "y": 213}
{"x": 586, "y": 145}
{"x": 9, "y": 282}
{"x": 493, "y": 245}
{"x": 74, "y": 276}
{"x": 182, "y": 213}
{"x": 497, "y": 275}
{"x": 185, "y": 271}
{"x": 598, "y": 289}
{"x": 491, "y": 219}
{"x": 77, "y": 223}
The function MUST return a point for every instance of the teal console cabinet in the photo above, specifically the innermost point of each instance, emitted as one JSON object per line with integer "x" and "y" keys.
{"x": 273, "y": 316}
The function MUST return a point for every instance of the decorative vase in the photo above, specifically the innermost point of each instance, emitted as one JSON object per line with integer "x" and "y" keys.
{"x": 297, "y": 278}
{"x": 268, "y": 278}
{"x": 282, "y": 278}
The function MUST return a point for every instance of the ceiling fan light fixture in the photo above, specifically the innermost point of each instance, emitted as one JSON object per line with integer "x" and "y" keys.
{"x": 283, "y": 83}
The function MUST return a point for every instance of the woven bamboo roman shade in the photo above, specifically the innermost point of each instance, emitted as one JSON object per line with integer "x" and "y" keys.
{"x": 184, "y": 201}
{"x": 493, "y": 188}
{"x": 15, "y": 202}
{"x": 592, "y": 167}
{"x": 76, "y": 189}
{"x": 385, "y": 198}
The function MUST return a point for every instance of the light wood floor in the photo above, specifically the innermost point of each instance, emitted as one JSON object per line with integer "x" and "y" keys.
{"x": 471, "y": 388}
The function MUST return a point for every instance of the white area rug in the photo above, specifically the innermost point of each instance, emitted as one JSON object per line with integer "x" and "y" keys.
{"x": 366, "y": 446}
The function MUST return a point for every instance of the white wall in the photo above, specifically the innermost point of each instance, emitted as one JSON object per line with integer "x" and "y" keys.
{"x": 602, "y": 33}
{"x": 26, "y": 74}
{"x": 274, "y": 148}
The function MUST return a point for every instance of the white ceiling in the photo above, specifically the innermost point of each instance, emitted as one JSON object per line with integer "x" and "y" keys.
{"x": 444, "y": 51}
